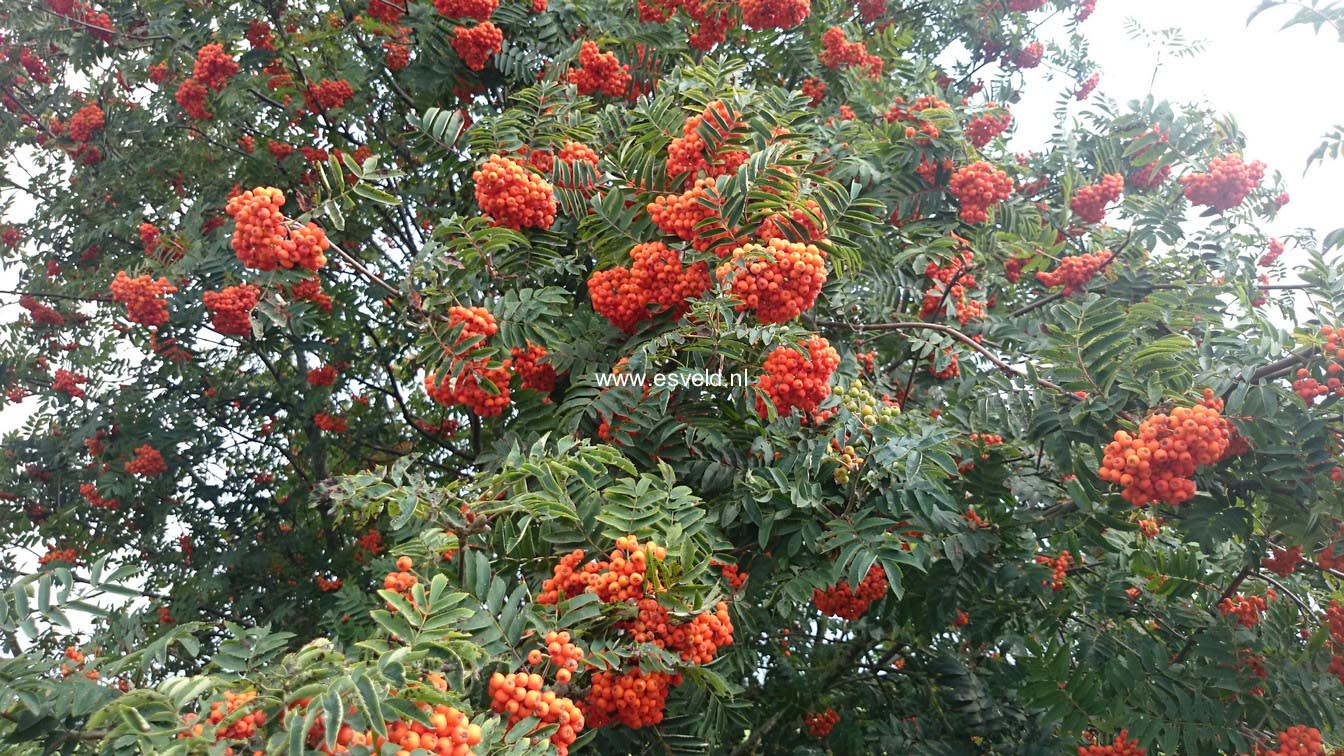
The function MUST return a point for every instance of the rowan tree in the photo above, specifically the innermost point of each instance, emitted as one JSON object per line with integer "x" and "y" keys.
{"x": 339, "y": 330}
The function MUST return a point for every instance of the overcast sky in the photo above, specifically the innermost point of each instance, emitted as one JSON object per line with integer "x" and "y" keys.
{"x": 1280, "y": 86}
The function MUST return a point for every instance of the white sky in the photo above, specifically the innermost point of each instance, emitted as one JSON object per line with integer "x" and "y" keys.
{"x": 1276, "y": 84}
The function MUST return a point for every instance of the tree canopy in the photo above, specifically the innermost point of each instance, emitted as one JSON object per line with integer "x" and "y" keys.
{"x": 678, "y": 376}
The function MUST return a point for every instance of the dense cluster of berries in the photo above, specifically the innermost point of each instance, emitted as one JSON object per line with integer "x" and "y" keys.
{"x": 520, "y": 695}
{"x": 1247, "y": 609}
{"x": 53, "y": 554}
{"x": 263, "y": 240}
{"x": 620, "y": 577}
{"x": 231, "y": 308}
{"x": 778, "y": 280}
{"x": 451, "y": 734}
{"x": 655, "y": 282}
{"x": 863, "y": 405}
{"x": 1333, "y": 620}
{"x": 1089, "y": 202}
{"x": 978, "y": 187}
{"x": 476, "y": 45}
{"x": 1298, "y": 740}
{"x": 1059, "y": 569}
{"x": 40, "y": 313}
{"x": 572, "y": 154}
{"x": 633, "y": 698}
{"x": 213, "y": 67}
{"x": 982, "y": 129}
{"x": 481, "y": 10}
{"x": 692, "y": 155}
{"x": 802, "y": 224}
{"x": 330, "y": 423}
{"x": 512, "y": 196}
{"x": 838, "y": 53}
{"x": 1283, "y": 562}
{"x": 1085, "y": 89}
{"x": 912, "y": 113}
{"x": 951, "y": 283}
{"x": 143, "y": 297}
{"x": 1027, "y": 57}
{"x": 1121, "y": 746}
{"x": 841, "y": 601}
{"x": 470, "y": 379}
{"x": 774, "y": 14}
{"x": 1156, "y": 464}
{"x": 1272, "y": 255}
{"x": 563, "y": 654}
{"x": 732, "y": 574}
{"x": 814, "y": 89}
{"x": 533, "y": 369}
{"x": 1226, "y": 184}
{"x": 1073, "y": 273}
{"x": 327, "y": 94}
{"x": 190, "y": 96}
{"x": 1309, "y": 387}
{"x": 820, "y": 723}
{"x": 239, "y": 728}
{"x": 69, "y": 383}
{"x": 1151, "y": 174}
{"x": 599, "y": 72}
{"x": 147, "y": 462}
{"x": 86, "y": 121}
{"x": 796, "y": 381}
{"x": 679, "y": 215}
{"x": 90, "y": 493}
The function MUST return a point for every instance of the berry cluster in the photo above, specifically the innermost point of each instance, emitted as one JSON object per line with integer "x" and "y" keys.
{"x": 330, "y": 423}
{"x": 732, "y": 574}
{"x": 564, "y": 655}
{"x": 815, "y": 90}
{"x": 190, "y": 96}
{"x": 1271, "y": 256}
{"x": 571, "y": 154}
{"x": 1247, "y": 609}
{"x": 68, "y": 382}
{"x": 679, "y": 215}
{"x": 452, "y": 734}
{"x": 778, "y": 281}
{"x": 599, "y": 72}
{"x": 1121, "y": 746}
{"x": 850, "y": 604}
{"x": 90, "y": 493}
{"x": 512, "y": 196}
{"x": 982, "y": 129}
{"x": 978, "y": 187}
{"x": 796, "y": 381}
{"x": 1059, "y": 569}
{"x": 1309, "y": 387}
{"x": 1152, "y": 174}
{"x": 481, "y": 10}
{"x": 655, "y": 282}
{"x": 1089, "y": 202}
{"x": 143, "y": 297}
{"x": 327, "y": 94}
{"x": 54, "y": 554}
{"x": 239, "y": 728}
{"x": 531, "y": 366}
{"x": 690, "y": 154}
{"x": 951, "y": 283}
{"x": 213, "y": 67}
{"x": 774, "y": 14}
{"x": 520, "y": 695}
{"x": 231, "y": 308}
{"x": 1156, "y": 463}
{"x": 476, "y": 45}
{"x": 820, "y": 723}
{"x": 803, "y": 224}
{"x": 1298, "y": 740}
{"x": 1073, "y": 273}
{"x": 620, "y": 577}
{"x": 634, "y": 698}
{"x": 1333, "y": 620}
{"x": 471, "y": 380}
{"x": 1283, "y": 562}
{"x": 837, "y": 52}
{"x": 1226, "y": 184}
{"x": 147, "y": 462}
{"x": 85, "y": 123}
{"x": 1027, "y": 57}
{"x": 263, "y": 240}
{"x": 1085, "y": 89}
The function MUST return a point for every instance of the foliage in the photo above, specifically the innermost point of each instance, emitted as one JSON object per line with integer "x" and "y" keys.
{"x": 456, "y": 408}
